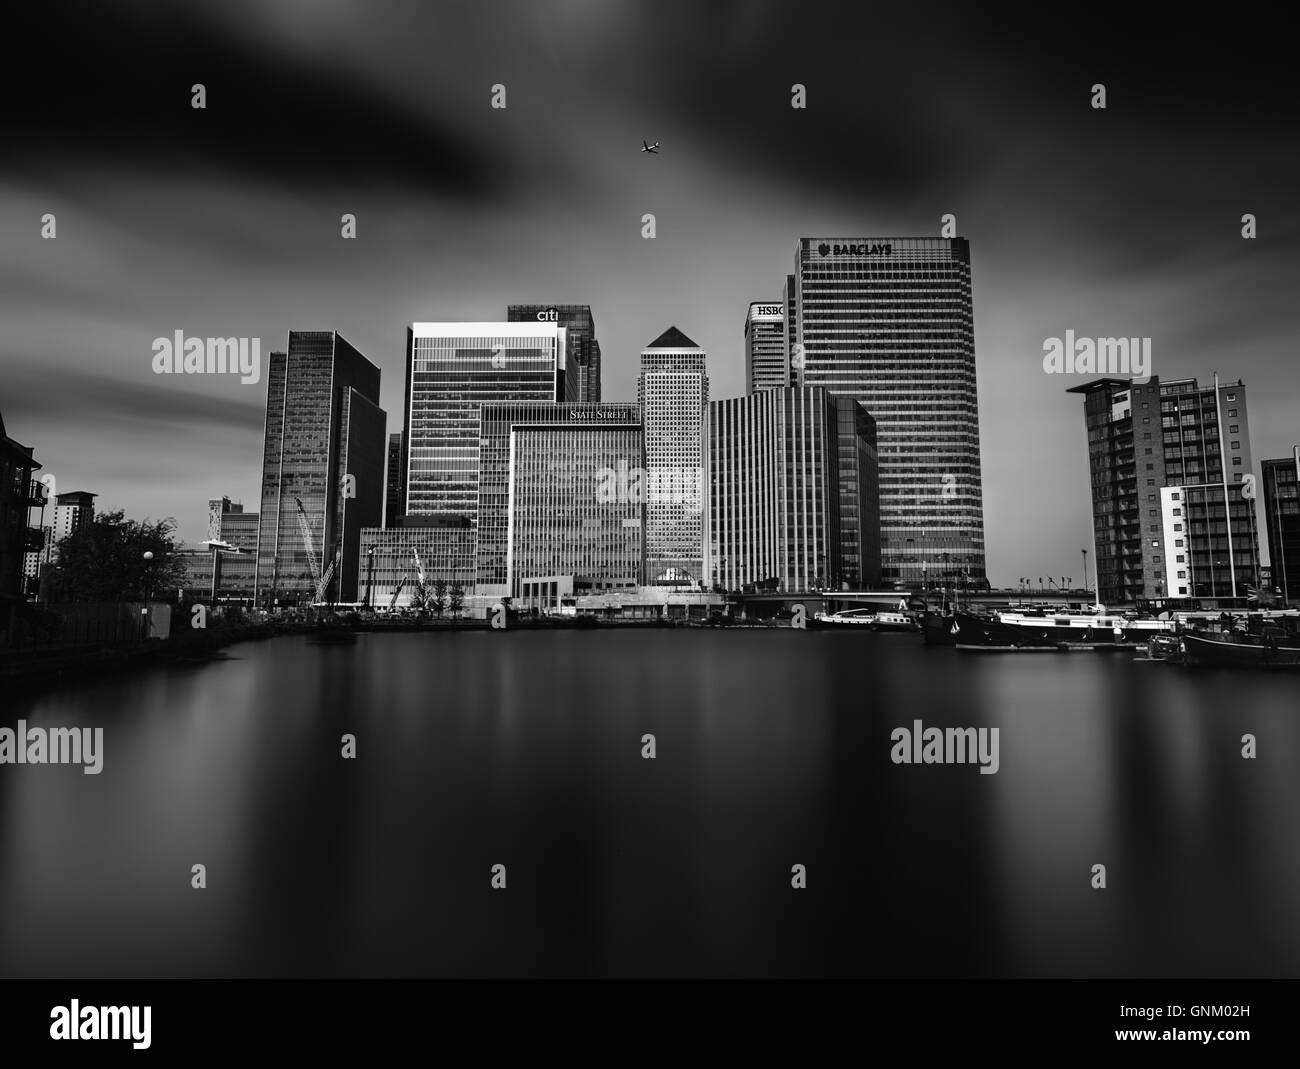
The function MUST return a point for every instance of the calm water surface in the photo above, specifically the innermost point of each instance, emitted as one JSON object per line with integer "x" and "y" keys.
{"x": 524, "y": 749}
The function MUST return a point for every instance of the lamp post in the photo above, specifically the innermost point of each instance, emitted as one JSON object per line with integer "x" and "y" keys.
{"x": 370, "y": 574}
{"x": 148, "y": 590}
{"x": 1085, "y": 570}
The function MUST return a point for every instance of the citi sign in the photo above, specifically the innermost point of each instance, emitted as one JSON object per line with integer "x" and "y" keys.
{"x": 826, "y": 249}
{"x": 550, "y": 315}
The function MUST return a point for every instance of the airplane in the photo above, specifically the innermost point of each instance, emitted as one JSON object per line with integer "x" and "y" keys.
{"x": 653, "y": 149}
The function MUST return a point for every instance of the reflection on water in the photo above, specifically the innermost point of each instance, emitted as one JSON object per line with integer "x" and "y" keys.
{"x": 524, "y": 749}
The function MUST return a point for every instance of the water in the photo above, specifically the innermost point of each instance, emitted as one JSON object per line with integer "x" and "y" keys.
{"x": 524, "y": 749}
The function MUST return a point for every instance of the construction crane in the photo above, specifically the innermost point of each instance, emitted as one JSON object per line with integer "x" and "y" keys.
{"x": 400, "y": 587}
{"x": 322, "y": 577}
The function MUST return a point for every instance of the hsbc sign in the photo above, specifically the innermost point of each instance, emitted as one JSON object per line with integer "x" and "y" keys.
{"x": 828, "y": 249}
{"x": 767, "y": 311}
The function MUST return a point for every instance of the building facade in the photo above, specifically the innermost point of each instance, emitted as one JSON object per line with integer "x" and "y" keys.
{"x": 497, "y": 422}
{"x": 237, "y": 570}
{"x": 1281, "y": 480}
{"x": 394, "y": 482}
{"x": 71, "y": 511}
{"x": 451, "y": 369}
{"x": 19, "y": 494}
{"x": 777, "y": 492}
{"x": 582, "y": 350}
{"x": 889, "y": 322}
{"x": 322, "y": 467}
{"x": 573, "y": 516}
{"x": 1173, "y": 513}
{"x": 765, "y": 344}
{"x": 393, "y": 559}
{"x": 673, "y": 395}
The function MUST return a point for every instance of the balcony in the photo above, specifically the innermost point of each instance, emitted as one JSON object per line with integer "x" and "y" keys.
{"x": 33, "y": 540}
{"x": 37, "y": 494}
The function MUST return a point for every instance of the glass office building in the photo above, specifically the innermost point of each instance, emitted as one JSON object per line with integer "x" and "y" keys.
{"x": 451, "y": 369}
{"x": 765, "y": 366}
{"x": 889, "y": 322}
{"x": 582, "y": 350}
{"x": 778, "y": 494}
{"x": 323, "y": 424}
{"x": 498, "y": 420}
{"x": 569, "y": 515}
{"x": 673, "y": 394}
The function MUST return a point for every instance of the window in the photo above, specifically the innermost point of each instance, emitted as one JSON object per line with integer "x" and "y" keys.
{"x": 1236, "y": 461}
{"x": 1182, "y": 590}
{"x": 1181, "y": 558}
{"x": 1179, "y": 543}
{"x": 1150, "y": 467}
{"x": 1234, "y": 428}
{"x": 1178, "y": 527}
{"x": 1146, "y": 419}
{"x": 1146, "y": 437}
{"x": 1232, "y": 397}
{"x": 1151, "y": 482}
{"x": 1231, "y": 411}
{"x": 1234, "y": 445}
{"x": 1178, "y": 512}
{"x": 1155, "y": 543}
{"x": 1176, "y": 496}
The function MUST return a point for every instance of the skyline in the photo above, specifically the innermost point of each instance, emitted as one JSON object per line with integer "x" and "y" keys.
{"x": 173, "y": 219}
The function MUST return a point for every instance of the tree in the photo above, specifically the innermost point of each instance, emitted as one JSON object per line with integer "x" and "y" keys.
{"x": 457, "y": 600}
{"x": 104, "y": 561}
{"x": 439, "y": 603}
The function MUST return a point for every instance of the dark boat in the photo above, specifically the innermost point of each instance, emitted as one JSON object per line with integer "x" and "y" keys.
{"x": 971, "y": 630}
{"x": 938, "y": 629}
{"x": 1269, "y": 650}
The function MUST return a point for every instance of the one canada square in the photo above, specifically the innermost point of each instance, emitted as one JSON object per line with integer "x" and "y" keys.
{"x": 890, "y": 323}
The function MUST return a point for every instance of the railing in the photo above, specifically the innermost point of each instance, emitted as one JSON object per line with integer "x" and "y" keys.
{"x": 33, "y": 540}
{"x": 37, "y": 494}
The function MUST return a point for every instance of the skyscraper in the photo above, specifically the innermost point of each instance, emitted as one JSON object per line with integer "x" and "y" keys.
{"x": 673, "y": 394}
{"x": 497, "y": 460}
{"x": 776, "y": 486}
{"x": 582, "y": 350}
{"x": 765, "y": 341}
{"x": 890, "y": 323}
{"x": 1167, "y": 461}
{"x": 452, "y": 368}
{"x": 569, "y": 518}
{"x": 1282, "y": 511}
{"x": 323, "y": 447}
{"x": 72, "y": 510}
{"x": 394, "y": 486}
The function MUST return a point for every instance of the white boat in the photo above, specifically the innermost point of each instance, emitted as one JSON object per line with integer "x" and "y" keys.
{"x": 863, "y": 617}
{"x": 893, "y": 621}
{"x": 1098, "y": 627}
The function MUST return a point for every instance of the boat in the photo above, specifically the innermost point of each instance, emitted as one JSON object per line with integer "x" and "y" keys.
{"x": 1165, "y": 648}
{"x": 862, "y": 617}
{"x": 1258, "y": 647}
{"x": 1097, "y": 629}
{"x": 892, "y": 621}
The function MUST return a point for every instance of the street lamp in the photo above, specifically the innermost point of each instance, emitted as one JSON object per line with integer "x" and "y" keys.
{"x": 148, "y": 590}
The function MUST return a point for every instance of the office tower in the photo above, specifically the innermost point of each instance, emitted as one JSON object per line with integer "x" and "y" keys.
{"x": 765, "y": 366}
{"x": 575, "y": 515}
{"x": 236, "y": 570}
{"x": 19, "y": 494}
{"x": 324, "y": 448}
{"x": 71, "y": 512}
{"x": 673, "y": 394}
{"x": 776, "y": 488}
{"x": 452, "y": 368}
{"x": 1281, "y": 480}
{"x": 890, "y": 323}
{"x": 790, "y": 308}
{"x": 859, "y": 496}
{"x": 498, "y": 422}
{"x": 1164, "y": 458}
{"x": 582, "y": 350}
{"x": 394, "y": 489}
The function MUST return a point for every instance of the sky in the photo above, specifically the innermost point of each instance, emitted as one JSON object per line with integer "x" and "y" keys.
{"x": 225, "y": 221}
